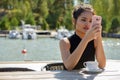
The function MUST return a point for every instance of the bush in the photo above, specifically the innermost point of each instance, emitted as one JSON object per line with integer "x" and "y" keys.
{"x": 14, "y": 23}
{"x": 5, "y": 24}
{"x": 114, "y": 25}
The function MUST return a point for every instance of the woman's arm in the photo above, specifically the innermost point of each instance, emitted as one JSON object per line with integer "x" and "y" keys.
{"x": 70, "y": 60}
{"x": 100, "y": 55}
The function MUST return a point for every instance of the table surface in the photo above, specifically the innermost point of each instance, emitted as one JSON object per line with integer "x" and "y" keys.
{"x": 111, "y": 72}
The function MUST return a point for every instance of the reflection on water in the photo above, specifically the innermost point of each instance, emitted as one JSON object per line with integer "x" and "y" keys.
{"x": 44, "y": 49}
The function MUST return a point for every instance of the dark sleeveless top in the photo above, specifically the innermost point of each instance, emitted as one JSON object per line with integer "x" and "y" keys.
{"x": 88, "y": 54}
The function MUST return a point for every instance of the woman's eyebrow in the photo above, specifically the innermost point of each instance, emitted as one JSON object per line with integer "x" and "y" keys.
{"x": 84, "y": 17}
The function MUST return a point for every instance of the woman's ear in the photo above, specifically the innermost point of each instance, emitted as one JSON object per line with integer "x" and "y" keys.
{"x": 73, "y": 21}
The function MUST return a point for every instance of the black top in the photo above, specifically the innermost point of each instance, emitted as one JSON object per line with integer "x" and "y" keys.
{"x": 88, "y": 54}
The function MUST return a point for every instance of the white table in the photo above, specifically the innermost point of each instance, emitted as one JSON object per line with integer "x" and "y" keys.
{"x": 111, "y": 72}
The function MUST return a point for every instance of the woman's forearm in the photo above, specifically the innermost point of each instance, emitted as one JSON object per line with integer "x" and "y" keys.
{"x": 100, "y": 55}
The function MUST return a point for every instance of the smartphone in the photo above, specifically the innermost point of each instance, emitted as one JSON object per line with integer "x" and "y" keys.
{"x": 96, "y": 20}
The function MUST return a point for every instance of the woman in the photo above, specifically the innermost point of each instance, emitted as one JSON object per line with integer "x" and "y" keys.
{"x": 85, "y": 44}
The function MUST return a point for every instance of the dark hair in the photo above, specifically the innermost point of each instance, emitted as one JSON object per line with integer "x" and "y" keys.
{"x": 80, "y": 9}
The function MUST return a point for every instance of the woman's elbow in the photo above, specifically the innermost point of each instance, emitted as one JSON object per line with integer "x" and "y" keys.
{"x": 68, "y": 67}
{"x": 102, "y": 66}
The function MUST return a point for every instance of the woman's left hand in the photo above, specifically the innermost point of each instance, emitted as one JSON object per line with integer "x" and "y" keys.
{"x": 98, "y": 34}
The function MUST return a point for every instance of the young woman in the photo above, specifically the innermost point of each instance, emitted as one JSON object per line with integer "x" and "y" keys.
{"x": 85, "y": 44}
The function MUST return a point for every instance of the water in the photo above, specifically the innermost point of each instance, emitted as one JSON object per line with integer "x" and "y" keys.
{"x": 112, "y": 48}
{"x": 46, "y": 49}
{"x": 42, "y": 49}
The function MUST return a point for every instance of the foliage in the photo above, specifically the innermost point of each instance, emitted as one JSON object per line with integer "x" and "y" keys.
{"x": 56, "y": 13}
{"x": 30, "y": 19}
{"x": 45, "y": 25}
{"x": 114, "y": 25}
{"x": 51, "y": 14}
{"x": 4, "y": 24}
{"x": 108, "y": 9}
{"x": 68, "y": 17}
{"x": 14, "y": 23}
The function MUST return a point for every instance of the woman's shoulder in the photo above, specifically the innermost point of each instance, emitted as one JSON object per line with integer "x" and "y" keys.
{"x": 64, "y": 44}
{"x": 67, "y": 40}
{"x": 64, "y": 41}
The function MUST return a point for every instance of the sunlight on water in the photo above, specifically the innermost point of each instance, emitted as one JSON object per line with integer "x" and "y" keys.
{"x": 44, "y": 49}
{"x": 112, "y": 48}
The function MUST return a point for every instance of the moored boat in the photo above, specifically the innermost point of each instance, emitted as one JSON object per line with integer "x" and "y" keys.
{"x": 28, "y": 32}
{"x": 62, "y": 32}
{"x": 13, "y": 34}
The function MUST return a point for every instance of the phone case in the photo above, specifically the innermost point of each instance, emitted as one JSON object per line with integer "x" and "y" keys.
{"x": 96, "y": 20}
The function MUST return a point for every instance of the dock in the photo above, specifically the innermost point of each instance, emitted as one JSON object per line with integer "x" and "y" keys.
{"x": 40, "y": 33}
{"x": 44, "y": 34}
{"x": 111, "y": 72}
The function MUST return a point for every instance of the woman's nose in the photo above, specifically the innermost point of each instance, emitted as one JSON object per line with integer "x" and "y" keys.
{"x": 87, "y": 23}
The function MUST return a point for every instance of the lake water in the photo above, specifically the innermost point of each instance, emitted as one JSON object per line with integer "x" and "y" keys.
{"x": 46, "y": 49}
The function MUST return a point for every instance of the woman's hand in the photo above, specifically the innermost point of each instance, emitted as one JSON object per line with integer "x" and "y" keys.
{"x": 94, "y": 32}
{"x": 98, "y": 35}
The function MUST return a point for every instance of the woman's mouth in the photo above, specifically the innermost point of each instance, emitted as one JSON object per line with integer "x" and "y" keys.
{"x": 86, "y": 28}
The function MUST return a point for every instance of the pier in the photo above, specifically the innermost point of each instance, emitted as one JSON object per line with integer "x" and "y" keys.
{"x": 40, "y": 33}
{"x": 49, "y": 33}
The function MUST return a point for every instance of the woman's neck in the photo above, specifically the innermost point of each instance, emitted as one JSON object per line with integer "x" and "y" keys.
{"x": 80, "y": 34}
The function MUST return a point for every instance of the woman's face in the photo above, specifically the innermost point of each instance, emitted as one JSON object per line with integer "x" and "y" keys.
{"x": 83, "y": 22}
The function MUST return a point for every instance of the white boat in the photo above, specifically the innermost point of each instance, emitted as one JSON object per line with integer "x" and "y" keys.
{"x": 28, "y": 32}
{"x": 13, "y": 34}
{"x": 62, "y": 32}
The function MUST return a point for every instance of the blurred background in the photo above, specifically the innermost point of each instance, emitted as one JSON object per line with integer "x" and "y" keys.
{"x": 50, "y": 15}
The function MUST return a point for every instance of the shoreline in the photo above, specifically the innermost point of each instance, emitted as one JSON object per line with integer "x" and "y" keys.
{"x": 41, "y": 33}
{"x": 111, "y": 35}
{"x": 46, "y": 33}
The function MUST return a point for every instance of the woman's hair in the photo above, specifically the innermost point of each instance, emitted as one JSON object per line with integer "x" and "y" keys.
{"x": 80, "y": 9}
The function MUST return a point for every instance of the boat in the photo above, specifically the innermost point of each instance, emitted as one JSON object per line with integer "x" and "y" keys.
{"x": 62, "y": 32}
{"x": 28, "y": 32}
{"x": 13, "y": 34}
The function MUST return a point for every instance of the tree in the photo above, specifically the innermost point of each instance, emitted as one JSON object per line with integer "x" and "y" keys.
{"x": 108, "y": 9}
{"x": 114, "y": 25}
{"x": 4, "y": 24}
{"x": 14, "y": 23}
{"x": 56, "y": 13}
{"x": 42, "y": 11}
{"x": 68, "y": 15}
{"x": 30, "y": 19}
{"x": 59, "y": 13}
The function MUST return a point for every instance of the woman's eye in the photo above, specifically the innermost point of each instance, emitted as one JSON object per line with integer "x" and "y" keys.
{"x": 83, "y": 20}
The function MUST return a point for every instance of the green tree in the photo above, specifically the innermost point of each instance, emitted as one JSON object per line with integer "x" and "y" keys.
{"x": 45, "y": 25}
{"x": 14, "y": 23}
{"x": 114, "y": 25}
{"x": 42, "y": 11}
{"x": 56, "y": 14}
{"x": 68, "y": 14}
{"x": 108, "y": 9}
{"x": 30, "y": 19}
{"x": 5, "y": 24}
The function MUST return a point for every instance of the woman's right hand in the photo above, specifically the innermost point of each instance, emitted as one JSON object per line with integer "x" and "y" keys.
{"x": 93, "y": 32}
